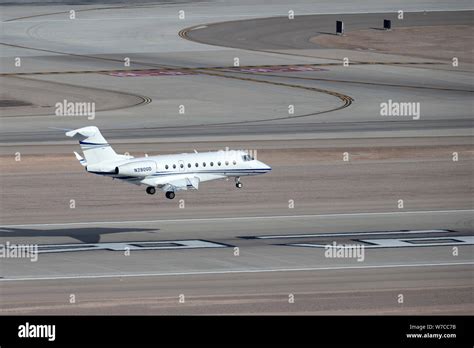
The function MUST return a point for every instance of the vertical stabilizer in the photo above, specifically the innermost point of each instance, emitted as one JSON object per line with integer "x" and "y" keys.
{"x": 93, "y": 145}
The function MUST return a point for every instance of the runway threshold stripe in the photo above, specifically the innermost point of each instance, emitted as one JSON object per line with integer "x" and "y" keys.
{"x": 242, "y": 218}
{"x": 342, "y": 234}
{"x": 237, "y": 271}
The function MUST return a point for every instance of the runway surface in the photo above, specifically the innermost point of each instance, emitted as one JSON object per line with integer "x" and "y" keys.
{"x": 276, "y": 231}
{"x": 259, "y": 279}
{"x": 220, "y": 250}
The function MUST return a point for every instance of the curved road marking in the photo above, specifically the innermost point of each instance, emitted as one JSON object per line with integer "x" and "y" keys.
{"x": 183, "y": 33}
{"x": 346, "y": 100}
{"x": 143, "y": 99}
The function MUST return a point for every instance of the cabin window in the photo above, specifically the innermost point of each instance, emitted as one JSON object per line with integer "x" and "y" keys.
{"x": 219, "y": 163}
{"x": 203, "y": 164}
{"x": 174, "y": 166}
{"x": 212, "y": 164}
{"x": 189, "y": 165}
{"x": 181, "y": 165}
{"x": 235, "y": 162}
{"x": 226, "y": 163}
{"x": 197, "y": 165}
{"x": 166, "y": 167}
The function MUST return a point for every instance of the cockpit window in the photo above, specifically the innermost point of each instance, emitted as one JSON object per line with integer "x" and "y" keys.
{"x": 247, "y": 158}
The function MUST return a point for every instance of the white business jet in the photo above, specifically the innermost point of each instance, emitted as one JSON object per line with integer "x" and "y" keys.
{"x": 169, "y": 173}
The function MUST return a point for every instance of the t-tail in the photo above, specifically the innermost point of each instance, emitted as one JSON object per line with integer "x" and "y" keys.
{"x": 94, "y": 146}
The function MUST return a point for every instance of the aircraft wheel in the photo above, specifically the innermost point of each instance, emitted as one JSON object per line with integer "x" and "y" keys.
{"x": 150, "y": 190}
{"x": 170, "y": 195}
{"x": 238, "y": 185}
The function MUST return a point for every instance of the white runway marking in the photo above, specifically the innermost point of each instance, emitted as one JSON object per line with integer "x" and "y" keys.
{"x": 99, "y": 276}
{"x": 402, "y": 243}
{"x": 124, "y": 246}
{"x": 243, "y": 218}
{"x": 342, "y": 234}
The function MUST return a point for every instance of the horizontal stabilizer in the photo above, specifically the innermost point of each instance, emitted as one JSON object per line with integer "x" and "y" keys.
{"x": 80, "y": 159}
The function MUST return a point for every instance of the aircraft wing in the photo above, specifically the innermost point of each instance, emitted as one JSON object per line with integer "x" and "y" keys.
{"x": 179, "y": 182}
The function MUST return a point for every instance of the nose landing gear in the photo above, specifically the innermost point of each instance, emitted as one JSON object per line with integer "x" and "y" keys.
{"x": 238, "y": 184}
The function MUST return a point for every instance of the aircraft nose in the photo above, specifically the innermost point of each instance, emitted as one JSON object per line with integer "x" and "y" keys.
{"x": 264, "y": 166}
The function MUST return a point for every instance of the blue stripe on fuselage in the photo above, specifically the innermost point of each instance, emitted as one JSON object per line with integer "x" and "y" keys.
{"x": 215, "y": 171}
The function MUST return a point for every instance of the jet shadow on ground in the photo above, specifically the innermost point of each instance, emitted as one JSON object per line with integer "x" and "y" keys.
{"x": 85, "y": 235}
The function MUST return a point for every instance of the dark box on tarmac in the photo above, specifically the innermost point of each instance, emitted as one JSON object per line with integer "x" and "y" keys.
{"x": 339, "y": 27}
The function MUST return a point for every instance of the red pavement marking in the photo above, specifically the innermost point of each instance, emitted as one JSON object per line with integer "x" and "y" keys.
{"x": 281, "y": 69}
{"x": 142, "y": 73}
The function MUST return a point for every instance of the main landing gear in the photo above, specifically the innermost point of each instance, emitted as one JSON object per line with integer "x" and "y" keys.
{"x": 238, "y": 184}
{"x": 152, "y": 190}
{"x": 170, "y": 195}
